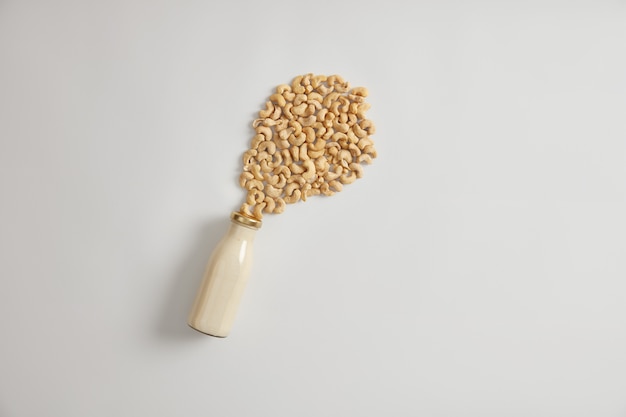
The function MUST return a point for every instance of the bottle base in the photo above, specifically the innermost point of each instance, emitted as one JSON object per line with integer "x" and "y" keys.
{"x": 208, "y": 334}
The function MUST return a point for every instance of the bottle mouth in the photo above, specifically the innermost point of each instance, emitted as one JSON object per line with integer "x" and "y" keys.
{"x": 245, "y": 220}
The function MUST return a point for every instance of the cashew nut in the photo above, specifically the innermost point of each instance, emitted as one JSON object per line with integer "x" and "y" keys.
{"x": 255, "y": 197}
{"x": 364, "y": 158}
{"x": 278, "y": 99}
{"x": 245, "y": 177}
{"x": 308, "y": 121}
{"x": 270, "y": 205}
{"x": 283, "y": 88}
{"x": 309, "y": 173}
{"x": 254, "y": 184}
{"x": 272, "y": 192}
{"x": 360, "y": 91}
{"x": 256, "y": 171}
{"x": 265, "y": 131}
{"x": 268, "y": 146}
{"x": 258, "y": 210}
{"x": 269, "y": 109}
{"x": 280, "y": 206}
{"x": 248, "y": 157}
{"x": 357, "y": 169}
{"x": 348, "y": 178}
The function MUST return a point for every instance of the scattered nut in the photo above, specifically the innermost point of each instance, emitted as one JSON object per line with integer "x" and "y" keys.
{"x": 311, "y": 139}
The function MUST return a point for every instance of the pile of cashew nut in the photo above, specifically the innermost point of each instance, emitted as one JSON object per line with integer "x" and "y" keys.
{"x": 311, "y": 139}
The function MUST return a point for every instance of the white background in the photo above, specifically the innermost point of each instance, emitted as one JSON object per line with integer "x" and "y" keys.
{"x": 478, "y": 268}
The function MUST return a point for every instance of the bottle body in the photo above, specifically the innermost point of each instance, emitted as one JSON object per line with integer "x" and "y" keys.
{"x": 224, "y": 281}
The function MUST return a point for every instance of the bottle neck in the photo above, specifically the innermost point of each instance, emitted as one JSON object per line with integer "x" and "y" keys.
{"x": 241, "y": 231}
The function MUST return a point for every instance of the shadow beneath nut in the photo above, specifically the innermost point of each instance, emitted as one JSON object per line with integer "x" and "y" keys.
{"x": 172, "y": 324}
